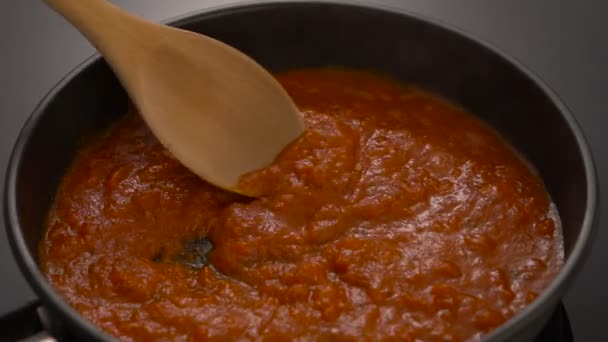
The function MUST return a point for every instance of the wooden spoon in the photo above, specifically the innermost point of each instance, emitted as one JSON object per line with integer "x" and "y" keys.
{"x": 215, "y": 109}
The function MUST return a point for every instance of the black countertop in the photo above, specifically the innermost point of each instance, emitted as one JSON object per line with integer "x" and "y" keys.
{"x": 563, "y": 41}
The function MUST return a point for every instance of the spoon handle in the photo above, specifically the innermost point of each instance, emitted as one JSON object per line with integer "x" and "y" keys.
{"x": 114, "y": 32}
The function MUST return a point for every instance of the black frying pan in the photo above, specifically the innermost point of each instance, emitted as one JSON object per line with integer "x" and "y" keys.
{"x": 286, "y": 35}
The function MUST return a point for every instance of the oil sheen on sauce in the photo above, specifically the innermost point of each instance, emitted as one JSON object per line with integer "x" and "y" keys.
{"x": 395, "y": 216}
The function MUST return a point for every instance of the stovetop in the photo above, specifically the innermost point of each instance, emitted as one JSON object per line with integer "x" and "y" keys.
{"x": 558, "y": 328}
{"x": 564, "y": 43}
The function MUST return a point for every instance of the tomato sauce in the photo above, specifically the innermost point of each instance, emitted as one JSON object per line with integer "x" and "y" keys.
{"x": 396, "y": 215}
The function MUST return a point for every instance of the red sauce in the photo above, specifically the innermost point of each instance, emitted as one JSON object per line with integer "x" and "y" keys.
{"x": 396, "y": 214}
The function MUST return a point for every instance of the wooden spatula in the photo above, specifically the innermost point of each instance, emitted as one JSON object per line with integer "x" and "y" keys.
{"x": 215, "y": 109}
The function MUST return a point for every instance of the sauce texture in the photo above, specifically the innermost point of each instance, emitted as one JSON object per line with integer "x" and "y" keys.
{"x": 396, "y": 216}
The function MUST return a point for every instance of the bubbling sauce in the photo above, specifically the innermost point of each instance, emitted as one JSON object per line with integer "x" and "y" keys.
{"x": 396, "y": 215}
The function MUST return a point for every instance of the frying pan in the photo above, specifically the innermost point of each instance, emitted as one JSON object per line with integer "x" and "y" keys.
{"x": 286, "y": 35}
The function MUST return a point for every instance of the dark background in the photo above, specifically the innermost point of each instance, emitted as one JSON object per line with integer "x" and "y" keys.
{"x": 563, "y": 41}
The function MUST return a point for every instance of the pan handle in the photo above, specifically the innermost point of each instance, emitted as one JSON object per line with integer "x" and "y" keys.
{"x": 25, "y": 324}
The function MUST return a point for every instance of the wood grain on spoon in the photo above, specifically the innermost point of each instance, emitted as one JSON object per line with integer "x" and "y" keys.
{"x": 217, "y": 111}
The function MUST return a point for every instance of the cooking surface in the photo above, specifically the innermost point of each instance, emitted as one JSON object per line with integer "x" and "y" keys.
{"x": 560, "y": 43}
